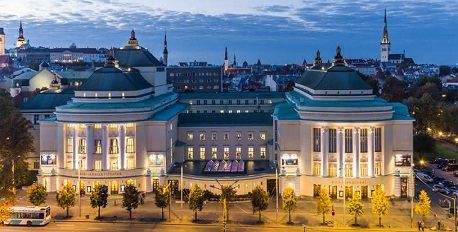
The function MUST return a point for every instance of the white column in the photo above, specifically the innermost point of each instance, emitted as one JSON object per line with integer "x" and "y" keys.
{"x": 324, "y": 151}
{"x": 90, "y": 147}
{"x": 340, "y": 156}
{"x": 356, "y": 152}
{"x": 371, "y": 158}
{"x": 104, "y": 147}
{"x": 122, "y": 147}
{"x": 74, "y": 145}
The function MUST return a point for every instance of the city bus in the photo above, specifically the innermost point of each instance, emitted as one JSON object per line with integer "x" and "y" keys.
{"x": 29, "y": 216}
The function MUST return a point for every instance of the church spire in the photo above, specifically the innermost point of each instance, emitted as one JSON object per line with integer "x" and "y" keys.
{"x": 165, "y": 53}
{"x": 317, "y": 60}
{"x": 385, "y": 39}
{"x": 21, "y": 31}
{"x": 225, "y": 54}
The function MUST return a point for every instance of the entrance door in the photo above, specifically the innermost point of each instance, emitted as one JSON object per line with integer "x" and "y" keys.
{"x": 155, "y": 184}
{"x": 348, "y": 192}
{"x": 316, "y": 190}
{"x": 271, "y": 187}
{"x": 333, "y": 191}
{"x": 364, "y": 192}
{"x": 403, "y": 187}
{"x": 114, "y": 187}
{"x": 174, "y": 186}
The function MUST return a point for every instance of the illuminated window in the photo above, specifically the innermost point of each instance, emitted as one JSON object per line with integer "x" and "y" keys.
{"x": 214, "y": 153}
{"x": 114, "y": 149}
{"x": 190, "y": 153}
{"x": 130, "y": 146}
{"x": 316, "y": 167}
{"x": 332, "y": 170}
{"x": 348, "y": 170}
{"x": 202, "y": 153}
{"x": 238, "y": 153}
{"x": 130, "y": 163}
{"x": 316, "y": 139}
{"x": 129, "y": 125}
{"x": 262, "y": 135}
{"x": 238, "y": 135}
{"x": 114, "y": 165}
{"x": 377, "y": 168}
{"x": 262, "y": 152}
{"x": 226, "y": 136}
{"x": 98, "y": 146}
{"x": 202, "y": 136}
{"x": 250, "y": 152}
{"x": 82, "y": 146}
{"x": 363, "y": 170}
{"x": 250, "y": 136}
{"x": 226, "y": 153}
{"x": 97, "y": 126}
{"x": 70, "y": 144}
{"x": 113, "y": 126}
{"x": 189, "y": 136}
{"x": 98, "y": 165}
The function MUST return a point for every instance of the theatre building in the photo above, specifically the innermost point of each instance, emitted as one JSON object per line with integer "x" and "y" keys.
{"x": 126, "y": 125}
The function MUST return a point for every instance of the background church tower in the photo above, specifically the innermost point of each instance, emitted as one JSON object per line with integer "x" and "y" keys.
{"x": 226, "y": 61}
{"x": 165, "y": 53}
{"x": 2, "y": 42}
{"x": 385, "y": 45}
{"x": 20, "y": 43}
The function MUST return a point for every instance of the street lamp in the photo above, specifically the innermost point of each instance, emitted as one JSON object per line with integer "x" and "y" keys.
{"x": 80, "y": 162}
{"x": 225, "y": 207}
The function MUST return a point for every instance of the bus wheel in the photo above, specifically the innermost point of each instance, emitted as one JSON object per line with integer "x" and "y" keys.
{"x": 29, "y": 223}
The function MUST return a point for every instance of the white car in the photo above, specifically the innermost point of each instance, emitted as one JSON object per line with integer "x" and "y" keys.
{"x": 425, "y": 177}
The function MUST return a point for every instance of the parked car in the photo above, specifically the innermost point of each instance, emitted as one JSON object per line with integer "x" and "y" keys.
{"x": 424, "y": 177}
{"x": 441, "y": 189}
{"x": 438, "y": 179}
{"x": 451, "y": 167}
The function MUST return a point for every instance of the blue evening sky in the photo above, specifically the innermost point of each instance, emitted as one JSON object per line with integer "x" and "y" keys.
{"x": 273, "y": 31}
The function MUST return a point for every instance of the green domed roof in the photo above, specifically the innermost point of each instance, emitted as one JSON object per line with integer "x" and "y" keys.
{"x": 114, "y": 79}
{"x": 136, "y": 56}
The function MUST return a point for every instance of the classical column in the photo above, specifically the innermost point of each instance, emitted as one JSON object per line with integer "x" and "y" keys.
{"x": 324, "y": 151}
{"x": 122, "y": 147}
{"x": 356, "y": 152}
{"x": 104, "y": 147}
{"x": 371, "y": 158}
{"x": 340, "y": 156}
{"x": 90, "y": 147}
{"x": 75, "y": 151}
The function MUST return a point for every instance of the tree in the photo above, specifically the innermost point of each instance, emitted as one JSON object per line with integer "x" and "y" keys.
{"x": 66, "y": 197}
{"x": 380, "y": 204}
{"x": 393, "y": 90}
{"x": 162, "y": 198}
{"x": 196, "y": 200}
{"x": 5, "y": 212}
{"x": 16, "y": 143}
{"x": 130, "y": 198}
{"x": 259, "y": 201}
{"x": 324, "y": 204}
{"x": 355, "y": 207}
{"x": 227, "y": 193}
{"x": 423, "y": 206}
{"x": 423, "y": 142}
{"x": 37, "y": 194}
{"x": 289, "y": 201}
{"x": 99, "y": 197}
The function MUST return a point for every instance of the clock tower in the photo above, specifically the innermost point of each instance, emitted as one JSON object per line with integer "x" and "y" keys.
{"x": 385, "y": 45}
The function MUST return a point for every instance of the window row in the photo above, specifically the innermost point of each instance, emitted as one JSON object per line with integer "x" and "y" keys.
{"x": 332, "y": 169}
{"x": 347, "y": 140}
{"x": 231, "y": 102}
{"x": 214, "y": 136}
{"x": 113, "y": 146}
{"x": 226, "y": 153}
{"x": 226, "y": 111}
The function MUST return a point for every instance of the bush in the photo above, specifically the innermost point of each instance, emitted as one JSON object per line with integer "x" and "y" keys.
{"x": 423, "y": 143}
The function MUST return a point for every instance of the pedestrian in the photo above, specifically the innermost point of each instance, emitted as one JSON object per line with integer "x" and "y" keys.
{"x": 422, "y": 225}
{"x": 419, "y": 225}
{"x": 438, "y": 225}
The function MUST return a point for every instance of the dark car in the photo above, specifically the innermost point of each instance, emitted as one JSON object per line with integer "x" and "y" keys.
{"x": 450, "y": 167}
{"x": 438, "y": 179}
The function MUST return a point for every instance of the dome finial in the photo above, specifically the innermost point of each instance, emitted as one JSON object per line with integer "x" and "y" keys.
{"x": 317, "y": 60}
{"x": 338, "y": 59}
{"x": 133, "y": 40}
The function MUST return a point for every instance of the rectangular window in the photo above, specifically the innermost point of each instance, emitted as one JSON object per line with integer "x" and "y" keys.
{"x": 190, "y": 153}
{"x": 226, "y": 136}
{"x": 202, "y": 153}
{"x": 316, "y": 168}
{"x": 332, "y": 169}
{"x": 332, "y": 141}
{"x": 98, "y": 146}
{"x": 348, "y": 141}
{"x": 250, "y": 136}
{"x": 189, "y": 136}
{"x": 97, "y": 126}
{"x": 70, "y": 145}
{"x": 378, "y": 168}
{"x": 214, "y": 136}
{"x": 98, "y": 165}
{"x": 262, "y": 152}
{"x": 114, "y": 149}
{"x": 316, "y": 140}
{"x": 250, "y": 152}
{"x": 238, "y": 153}
{"x": 226, "y": 153}
{"x": 202, "y": 136}
{"x": 36, "y": 117}
{"x": 363, "y": 170}
{"x": 130, "y": 146}
{"x": 130, "y": 164}
{"x": 378, "y": 139}
{"x": 214, "y": 153}
{"x": 238, "y": 135}
{"x": 348, "y": 170}
{"x": 363, "y": 140}
{"x": 262, "y": 135}
{"x": 114, "y": 165}
{"x": 82, "y": 146}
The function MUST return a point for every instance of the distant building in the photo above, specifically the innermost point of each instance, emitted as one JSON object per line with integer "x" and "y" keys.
{"x": 21, "y": 43}
{"x": 2, "y": 42}
{"x": 195, "y": 77}
{"x": 76, "y": 55}
{"x": 385, "y": 45}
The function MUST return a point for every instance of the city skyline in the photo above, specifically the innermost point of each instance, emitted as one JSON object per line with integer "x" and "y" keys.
{"x": 277, "y": 33}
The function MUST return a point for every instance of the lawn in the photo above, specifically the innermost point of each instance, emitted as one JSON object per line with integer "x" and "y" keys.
{"x": 440, "y": 150}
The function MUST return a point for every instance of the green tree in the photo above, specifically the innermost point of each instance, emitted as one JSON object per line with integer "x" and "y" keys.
{"x": 130, "y": 198}
{"x": 5, "y": 212}
{"x": 393, "y": 90}
{"x": 196, "y": 200}
{"x": 380, "y": 204}
{"x": 423, "y": 206}
{"x": 355, "y": 207}
{"x": 99, "y": 197}
{"x": 324, "y": 204}
{"x": 227, "y": 193}
{"x": 289, "y": 201}
{"x": 37, "y": 194}
{"x": 162, "y": 198}
{"x": 16, "y": 143}
{"x": 259, "y": 201}
{"x": 66, "y": 197}
{"x": 423, "y": 143}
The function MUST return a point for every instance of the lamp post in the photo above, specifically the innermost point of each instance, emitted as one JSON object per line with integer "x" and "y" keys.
{"x": 412, "y": 193}
{"x": 276, "y": 193}
{"x": 225, "y": 207}
{"x": 80, "y": 162}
